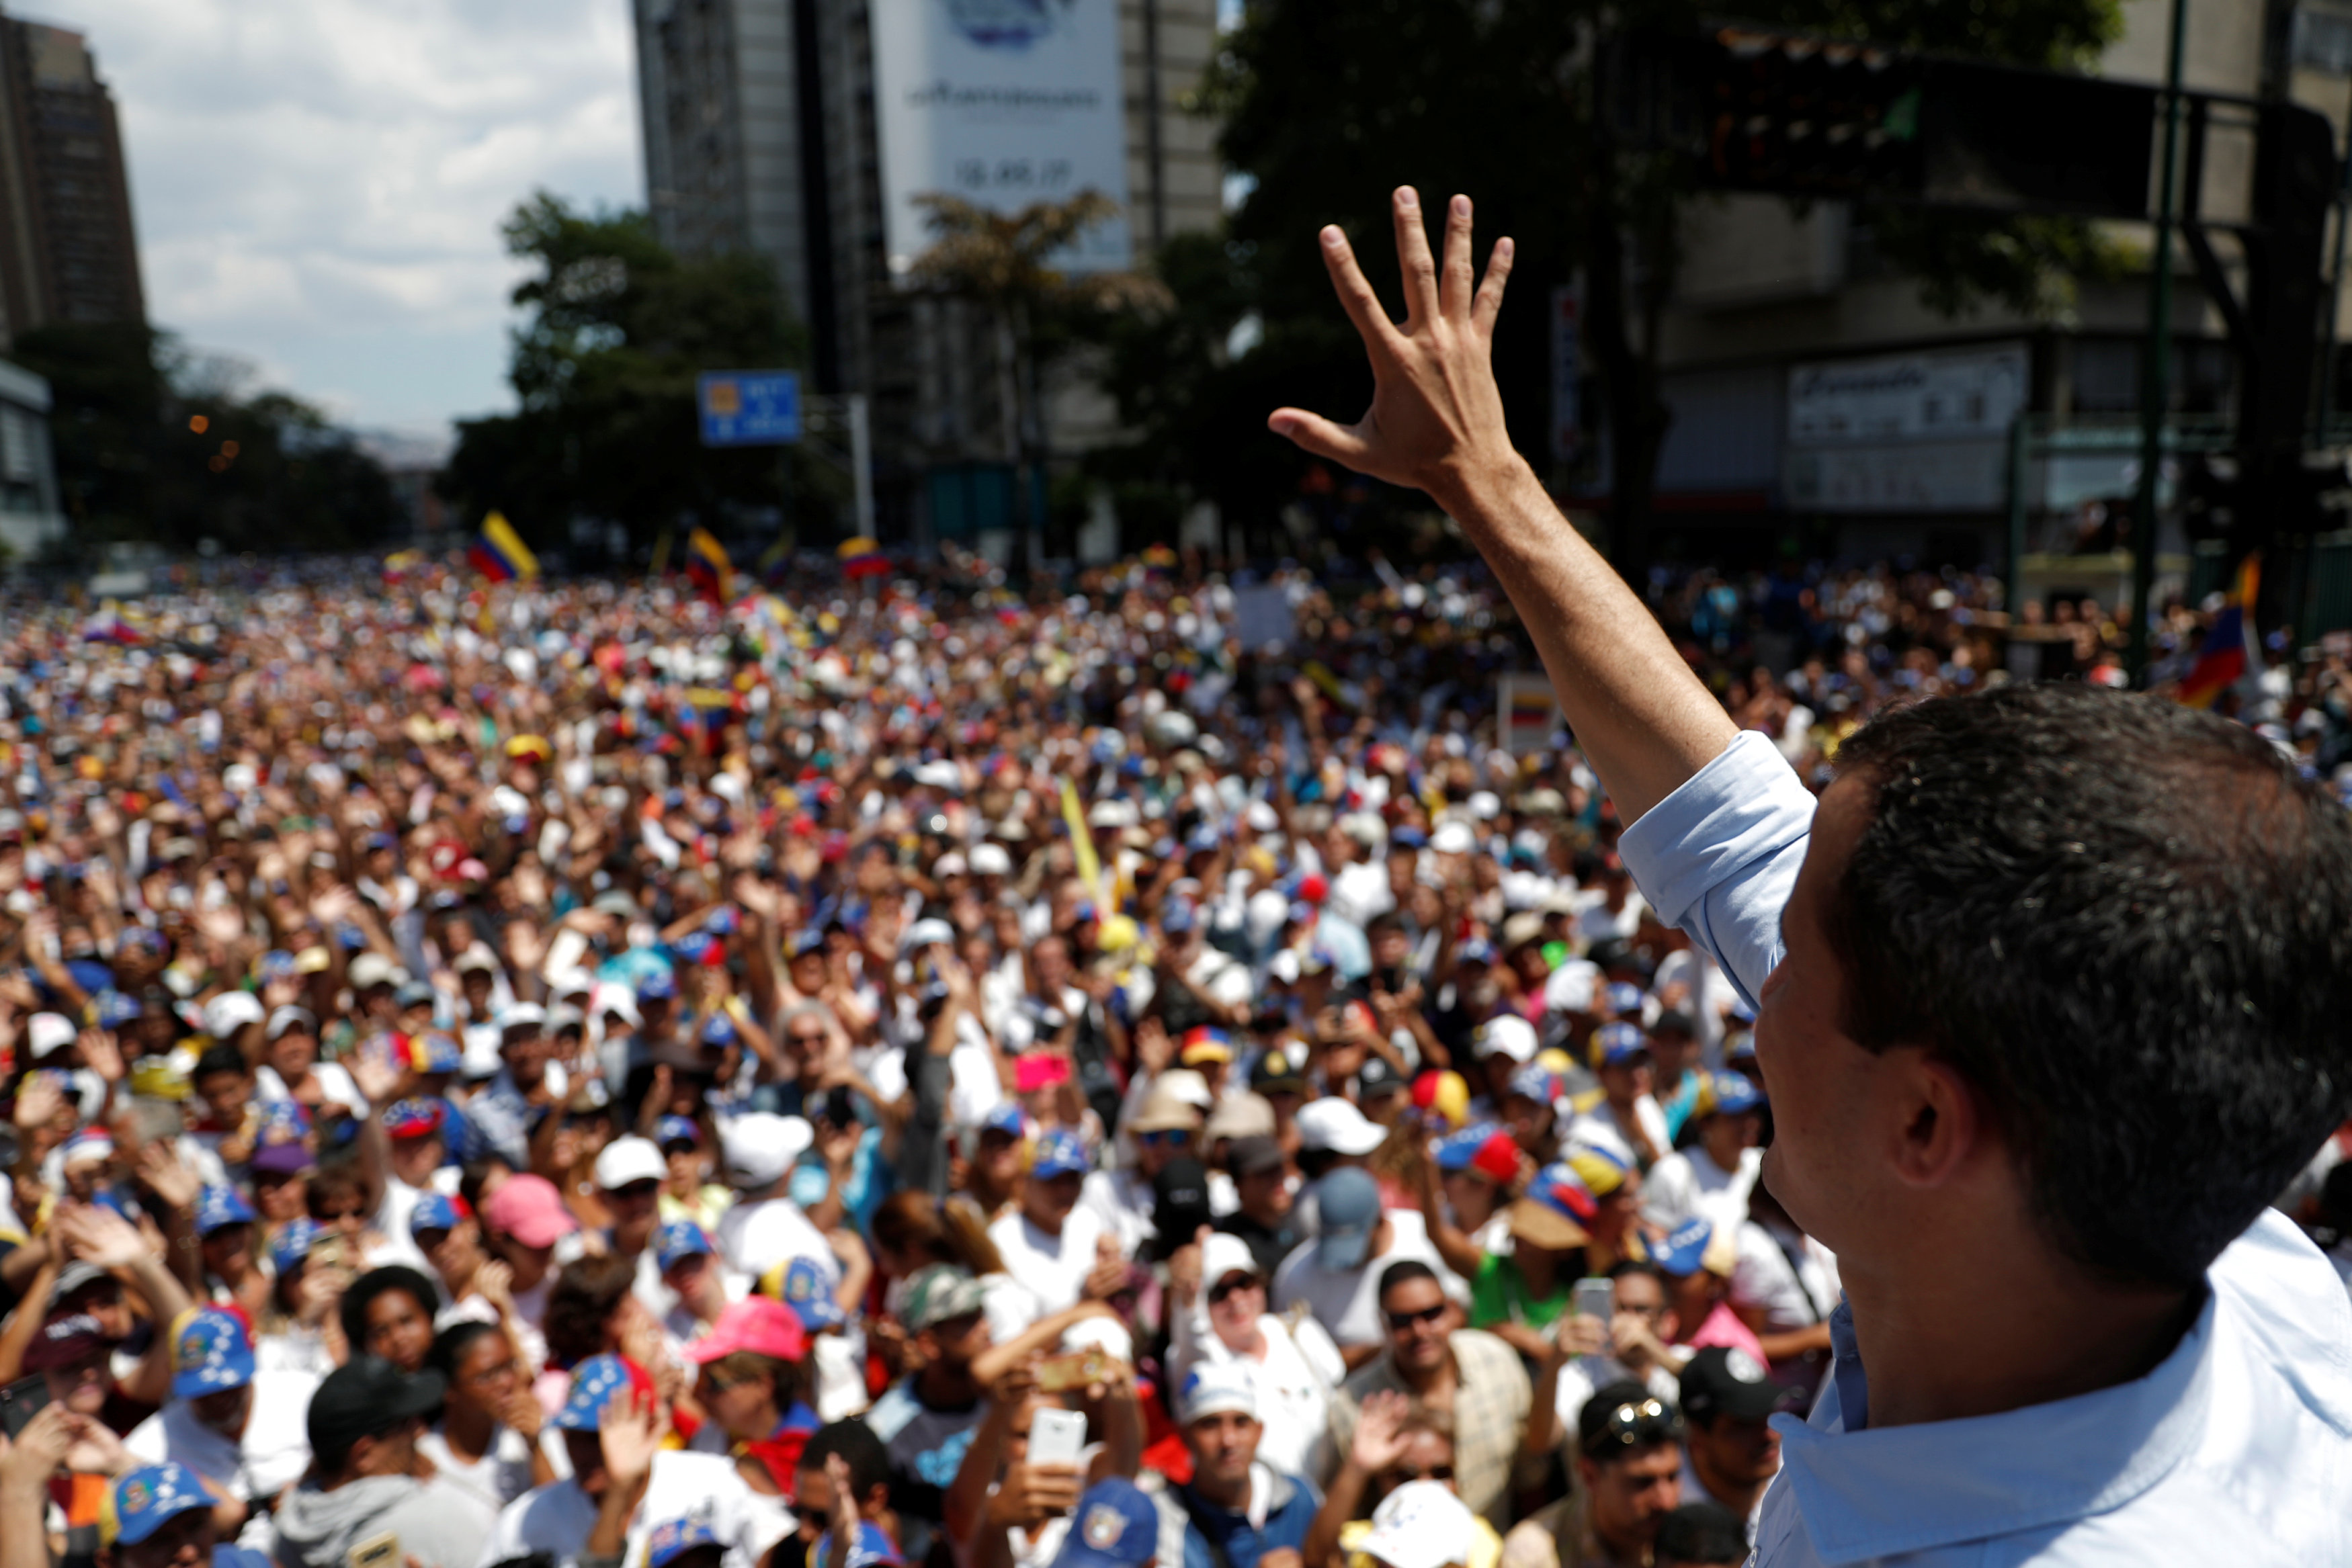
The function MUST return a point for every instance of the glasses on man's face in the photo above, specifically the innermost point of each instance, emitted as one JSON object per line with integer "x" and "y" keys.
{"x": 333, "y": 1216}
{"x": 1171, "y": 1137}
{"x": 805, "y": 1037}
{"x": 1632, "y": 1424}
{"x": 816, "y": 1518}
{"x": 1404, "y": 1322}
{"x": 1231, "y": 1285}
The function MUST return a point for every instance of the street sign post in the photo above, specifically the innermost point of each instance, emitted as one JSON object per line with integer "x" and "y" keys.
{"x": 749, "y": 408}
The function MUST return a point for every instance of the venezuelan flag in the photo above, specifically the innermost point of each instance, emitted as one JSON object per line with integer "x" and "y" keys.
{"x": 499, "y": 553}
{"x": 2221, "y": 662}
{"x": 862, "y": 557}
{"x": 707, "y": 564}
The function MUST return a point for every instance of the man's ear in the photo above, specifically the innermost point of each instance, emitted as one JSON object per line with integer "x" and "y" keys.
{"x": 1943, "y": 1121}
{"x": 877, "y": 1500}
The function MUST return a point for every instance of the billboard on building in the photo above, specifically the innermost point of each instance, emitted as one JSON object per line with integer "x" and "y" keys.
{"x": 1906, "y": 433}
{"x": 1003, "y": 103}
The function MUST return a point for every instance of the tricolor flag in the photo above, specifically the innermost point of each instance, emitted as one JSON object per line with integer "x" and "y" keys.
{"x": 2221, "y": 663}
{"x": 862, "y": 557}
{"x": 499, "y": 553}
{"x": 707, "y": 564}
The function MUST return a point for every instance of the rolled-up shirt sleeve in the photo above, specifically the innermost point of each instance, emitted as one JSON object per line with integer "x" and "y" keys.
{"x": 1718, "y": 857}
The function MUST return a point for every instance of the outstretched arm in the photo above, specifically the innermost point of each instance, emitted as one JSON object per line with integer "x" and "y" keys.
{"x": 1436, "y": 423}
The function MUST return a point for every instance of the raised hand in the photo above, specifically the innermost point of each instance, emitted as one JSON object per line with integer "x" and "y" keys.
{"x": 168, "y": 1177}
{"x": 102, "y": 1236}
{"x": 631, "y": 1434}
{"x": 1376, "y": 1445}
{"x": 1435, "y": 410}
{"x": 38, "y": 1101}
{"x": 101, "y": 1054}
{"x": 39, "y": 1450}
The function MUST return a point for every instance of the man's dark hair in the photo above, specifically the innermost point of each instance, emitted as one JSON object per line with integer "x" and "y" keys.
{"x": 1701, "y": 1535}
{"x": 860, "y": 1448}
{"x": 218, "y": 1058}
{"x": 1405, "y": 1273}
{"x": 2129, "y": 924}
{"x": 1641, "y": 1266}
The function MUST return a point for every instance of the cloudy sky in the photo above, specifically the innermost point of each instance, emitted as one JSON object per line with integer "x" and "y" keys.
{"x": 318, "y": 184}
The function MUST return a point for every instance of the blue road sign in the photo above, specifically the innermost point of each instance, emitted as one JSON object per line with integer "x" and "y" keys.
{"x": 749, "y": 408}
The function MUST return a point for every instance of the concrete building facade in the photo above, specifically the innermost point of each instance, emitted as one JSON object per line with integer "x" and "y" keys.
{"x": 759, "y": 135}
{"x": 1785, "y": 320}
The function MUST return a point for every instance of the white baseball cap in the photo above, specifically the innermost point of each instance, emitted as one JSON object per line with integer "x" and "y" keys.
{"x": 1422, "y": 1524}
{"x": 49, "y": 1032}
{"x": 1512, "y": 1037}
{"x": 990, "y": 860}
{"x": 1336, "y": 1124}
{"x": 1215, "y": 1387}
{"x": 1222, "y": 1255}
{"x": 759, "y": 1148}
{"x": 930, "y": 933}
{"x": 230, "y": 1011}
{"x": 625, "y": 1160}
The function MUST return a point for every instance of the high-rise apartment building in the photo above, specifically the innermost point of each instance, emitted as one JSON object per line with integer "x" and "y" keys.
{"x": 67, "y": 251}
{"x": 760, "y": 134}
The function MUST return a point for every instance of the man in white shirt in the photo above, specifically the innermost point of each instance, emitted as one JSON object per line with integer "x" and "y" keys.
{"x": 239, "y": 1428}
{"x": 766, "y": 1225}
{"x": 1336, "y": 1275}
{"x": 1712, "y": 1178}
{"x": 2051, "y": 984}
{"x": 1063, "y": 1252}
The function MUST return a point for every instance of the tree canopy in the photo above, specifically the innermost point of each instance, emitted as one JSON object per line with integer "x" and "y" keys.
{"x": 603, "y": 366}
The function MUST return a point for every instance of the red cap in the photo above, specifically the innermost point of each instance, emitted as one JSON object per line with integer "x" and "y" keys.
{"x": 1499, "y": 1156}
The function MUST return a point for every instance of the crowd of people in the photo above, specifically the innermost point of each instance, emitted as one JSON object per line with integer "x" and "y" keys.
{"x": 587, "y": 1074}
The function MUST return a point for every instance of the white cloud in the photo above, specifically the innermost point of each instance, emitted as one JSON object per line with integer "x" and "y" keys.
{"x": 318, "y": 184}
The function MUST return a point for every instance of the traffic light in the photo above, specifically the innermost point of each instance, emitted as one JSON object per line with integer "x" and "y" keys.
{"x": 1757, "y": 109}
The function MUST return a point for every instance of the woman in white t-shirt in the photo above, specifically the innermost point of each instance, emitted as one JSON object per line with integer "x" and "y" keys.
{"x": 486, "y": 1444}
{"x": 1221, "y": 1316}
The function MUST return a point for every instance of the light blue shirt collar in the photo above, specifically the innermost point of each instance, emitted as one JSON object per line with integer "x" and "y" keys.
{"x": 1866, "y": 1494}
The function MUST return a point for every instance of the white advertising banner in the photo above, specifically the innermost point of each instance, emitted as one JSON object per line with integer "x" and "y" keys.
{"x": 1958, "y": 394}
{"x": 1003, "y": 103}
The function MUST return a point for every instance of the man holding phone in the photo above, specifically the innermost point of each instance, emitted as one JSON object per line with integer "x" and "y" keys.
{"x": 2051, "y": 988}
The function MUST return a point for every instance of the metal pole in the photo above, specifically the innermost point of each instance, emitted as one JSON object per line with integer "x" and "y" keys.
{"x": 861, "y": 463}
{"x": 2013, "y": 600}
{"x": 2155, "y": 375}
{"x": 2335, "y": 299}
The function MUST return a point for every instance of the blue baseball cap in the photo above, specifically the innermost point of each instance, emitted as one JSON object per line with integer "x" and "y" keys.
{"x": 1456, "y": 1150}
{"x": 219, "y": 1207}
{"x": 1624, "y": 997}
{"x": 676, "y": 1130}
{"x": 1537, "y": 1082}
{"x": 676, "y": 1241}
{"x": 810, "y": 1296}
{"x": 1115, "y": 1525}
{"x": 1349, "y": 1202}
{"x": 1005, "y": 1116}
{"x": 437, "y": 1211}
{"x": 436, "y": 1051}
{"x": 719, "y": 1030}
{"x": 675, "y": 1538}
{"x": 292, "y": 1244}
{"x": 1474, "y": 950}
{"x": 115, "y": 1010}
{"x": 1684, "y": 1253}
{"x": 659, "y": 984}
{"x": 871, "y": 1548}
{"x": 210, "y": 1352}
{"x": 1732, "y": 1094}
{"x": 412, "y": 1119}
{"x": 1614, "y": 1044}
{"x": 1059, "y": 1153}
{"x": 596, "y": 1382}
{"x": 141, "y": 1503}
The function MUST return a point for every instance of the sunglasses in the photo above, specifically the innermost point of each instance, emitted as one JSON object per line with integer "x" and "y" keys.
{"x": 800, "y": 1036}
{"x": 330, "y": 1215}
{"x": 815, "y": 1518}
{"x": 1229, "y": 1285}
{"x": 1399, "y": 1322}
{"x": 1160, "y": 1140}
{"x": 1631, "y": 1426}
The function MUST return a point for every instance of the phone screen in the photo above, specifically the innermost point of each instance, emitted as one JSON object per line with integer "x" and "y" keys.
{"x": 1594, "y": 1299}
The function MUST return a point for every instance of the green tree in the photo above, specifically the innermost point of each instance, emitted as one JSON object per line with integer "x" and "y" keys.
{"x": 1329, "y": 108}
{"x": 603, "y": 366}
{"x": 149, "y": 447}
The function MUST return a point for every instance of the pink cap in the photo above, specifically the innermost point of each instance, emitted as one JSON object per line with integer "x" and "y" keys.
{"x": 529, "y": 1209}
{"x": 761, "y": 1324}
